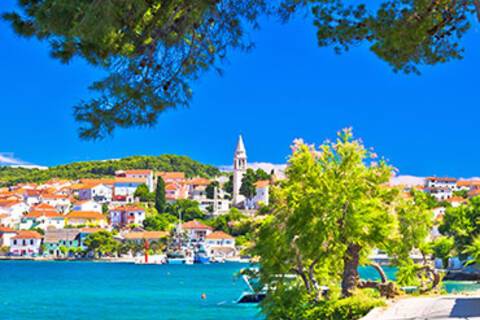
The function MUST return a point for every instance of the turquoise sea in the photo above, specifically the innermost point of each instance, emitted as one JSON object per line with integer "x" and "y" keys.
{"x": 88, "y": 290}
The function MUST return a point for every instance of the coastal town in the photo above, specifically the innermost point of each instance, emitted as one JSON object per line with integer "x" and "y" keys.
{"x": 54, "y": 219}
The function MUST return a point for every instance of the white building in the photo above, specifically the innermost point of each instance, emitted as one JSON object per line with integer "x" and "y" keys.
{"x": 220, "y": 245}
{"x": 440, "y": 193}
{"x": 15, "y": 209}
{"x": 143, "y": 174}
{"x": 262, "y": 195}
{"x": 124, "y": 189}
{"x": 87, "y": 205}
{"x": 442, "y": 183}
{"x": 26, "y": 243}
{"x": 61, "y": 202}
{"x": 196, "y": 231}
{"x": 43, "y": 220}
{"x": 101, "y": 193}
{"x": 6, "y": 235}
{"x": 239, "y": 170}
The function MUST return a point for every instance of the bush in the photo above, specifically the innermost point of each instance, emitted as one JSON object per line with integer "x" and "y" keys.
{"x": 291, "y": 302}
{"x": 352, "y": 308}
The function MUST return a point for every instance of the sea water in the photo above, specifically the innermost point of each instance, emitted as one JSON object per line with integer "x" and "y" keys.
{"x": 88, "y": 290}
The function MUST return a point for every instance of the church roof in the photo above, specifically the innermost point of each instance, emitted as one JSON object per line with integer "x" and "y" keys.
{"x": 240, "y": 147}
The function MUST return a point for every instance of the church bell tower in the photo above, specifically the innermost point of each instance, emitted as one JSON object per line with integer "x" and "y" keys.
{"x": 239, "y": 169}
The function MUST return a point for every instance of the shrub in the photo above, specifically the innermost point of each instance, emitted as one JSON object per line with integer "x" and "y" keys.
{"x": 352, "y": 308}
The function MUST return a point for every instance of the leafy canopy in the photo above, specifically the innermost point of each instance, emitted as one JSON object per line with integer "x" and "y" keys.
{"x": 332, "y": 209}
{"x": 152, "y": 50}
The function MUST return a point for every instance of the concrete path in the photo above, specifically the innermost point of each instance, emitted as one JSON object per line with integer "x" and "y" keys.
{"x": 430, "y": 308}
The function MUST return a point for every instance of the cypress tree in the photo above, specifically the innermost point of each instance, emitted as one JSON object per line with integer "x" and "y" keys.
{"x": 160, "y": 200}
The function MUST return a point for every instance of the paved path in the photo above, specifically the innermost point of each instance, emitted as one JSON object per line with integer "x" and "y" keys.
{"x": 430, "y": 308}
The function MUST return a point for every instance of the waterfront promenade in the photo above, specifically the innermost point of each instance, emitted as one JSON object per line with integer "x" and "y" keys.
{"x": 430, "y": 308}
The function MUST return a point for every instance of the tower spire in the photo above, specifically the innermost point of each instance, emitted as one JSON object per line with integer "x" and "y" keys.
{"x": 239, "y": 169}
{"x": 240, "y": 147}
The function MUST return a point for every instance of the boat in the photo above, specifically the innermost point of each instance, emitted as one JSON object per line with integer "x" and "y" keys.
{"x": 176, "y": 260}
{"x": 177, "y": 257}
{"x": 201, "y": 256}
{"x": 251, "y": 296}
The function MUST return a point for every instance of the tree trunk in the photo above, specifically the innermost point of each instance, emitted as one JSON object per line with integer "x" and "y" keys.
{"x": 350, "y": 269}
{"x": 381, "y": 272}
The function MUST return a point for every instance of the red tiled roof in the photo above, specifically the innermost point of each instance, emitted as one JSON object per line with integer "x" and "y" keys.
{"x": 27, "y": 234}
{"x": 137, "y": 235}
{"x": 442, "y": 179}
{"x": 130, "y": 180}
{"x": 44, "y": 207}
{"x": 456, "y": 199}
{"x": 128, "y": 208}
{"x": 85, "y": 215}
{"x": 138, "y": 171}
{"x": 194, "y": 224}
{"x": 219, "y": 235}
{"x": 48, "y": 214}
{"x": 6, "y": 230}
{"x": 171, "y": 175}
{"x": 198, "y": 181}
{"x": 262, "y": 183}
{"x": 9, "y": 203}
{"x": 468, "y": 183}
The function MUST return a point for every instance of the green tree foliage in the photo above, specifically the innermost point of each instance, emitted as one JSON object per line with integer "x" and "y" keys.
{"x": 333, "y": 208}
{"x": 144, "y": 194}
{"x": 473, "y": 250}
{"x": 461, "y": 223}
{"x": 210, "y": 190}
{"x": 160, "y": 222}
{"x": 247, "y": 189}
{"x": 260, "y": 174}
{"x": 228, "y": 186}
{"x": 461, "y": 193}
{"x": 443, "y": 248}
{"x": 99, "y": 169}
{"x": 160, "y": 199}
{"x": 406, "y": 34}
{"x": 187, "y": 209}
{"x": 101, "y": 243}
{"x": 151, "y": 50}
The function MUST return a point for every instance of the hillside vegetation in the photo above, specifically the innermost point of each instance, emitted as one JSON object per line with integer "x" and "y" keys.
{"x": 107, "y": 168}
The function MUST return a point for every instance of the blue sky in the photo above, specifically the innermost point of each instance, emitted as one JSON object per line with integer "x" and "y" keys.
{"x": 285, "y": 88}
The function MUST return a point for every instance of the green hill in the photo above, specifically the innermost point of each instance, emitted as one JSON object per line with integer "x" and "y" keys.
{"x": 96, "y": 169}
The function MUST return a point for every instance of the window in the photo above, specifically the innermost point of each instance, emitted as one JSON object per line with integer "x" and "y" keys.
{"x": 15, "y": 242}
{"x": 31, "y": 242}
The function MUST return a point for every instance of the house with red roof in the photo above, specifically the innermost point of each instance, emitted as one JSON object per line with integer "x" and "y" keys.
{"x": 6, "y": 234}
{"x": 124, "y": 188}
{"x": 126, "y": 215}
{"x": 196, "y": 231}
{"x": 87, "y": 205}
{"x": 145, "y": 175}
{"x": 441, "y": 183}
{"x": 86, "y": 218}
{"x": 60, "y": 202}
{"x": 43, "y": 220}
{"x": 26, "y": 243}
{"x": 262, "y": 195}
{"x": 97, "y": 192}
{"x": 220, "y": 245}
{"x": 14, "y": 209}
